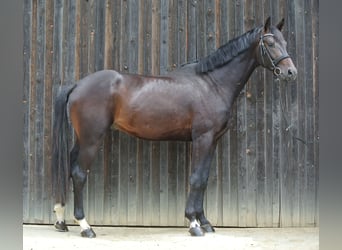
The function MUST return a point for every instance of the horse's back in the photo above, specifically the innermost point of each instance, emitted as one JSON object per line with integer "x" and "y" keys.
{"x": 96, "y": 82}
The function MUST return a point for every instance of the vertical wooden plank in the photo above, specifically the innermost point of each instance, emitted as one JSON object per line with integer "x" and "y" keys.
{"x": 300, "y": 116}
{"x": 123, "y": 178}
{"x": 181, "y": 190}
{"x": 83, "y": 67}
{"x": 164, "y": 184}
{"x": 70, "y": 39}
{"x": 172, "y": 182}
{"x": 48, "y": 111}
{"x": 155, "y": 36}
{"x": 166, "y": 23}
{"x": 315, "y": 93}
{"x": 140, "y": 41}
{"x": 108, "y": 39}
{"x": 309, "y": 149}
{"x": 100, "y": 29}
{"x": 39, "y": 108}
{"x": 78, "y": 43}
{"x": 191, "y": 39}
{"x": 201, "y": 44}
{"x": 34, "y": 168}
{"x": 91, "y": 35}
{"x": 32, "y": 160}
{"x": 150, "y": 152}
{"x": 107, "y": 173}
{"x": 147, "y": 18}
{"x": 27, "y": 50}
{"x": 251, "y": 120}
{"x": 182, "y": 13}
{"x": 307, "y": 217}
{"x": 152, "y": 208}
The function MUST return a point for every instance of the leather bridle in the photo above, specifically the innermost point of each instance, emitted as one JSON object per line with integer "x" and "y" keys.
{"x": 272, "y": 61}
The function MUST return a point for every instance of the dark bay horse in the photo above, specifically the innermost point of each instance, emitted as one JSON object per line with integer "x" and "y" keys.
{"x": 192, "y": 103}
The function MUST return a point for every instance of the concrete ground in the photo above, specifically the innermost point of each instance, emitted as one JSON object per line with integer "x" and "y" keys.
{"x": 123, "y": 238}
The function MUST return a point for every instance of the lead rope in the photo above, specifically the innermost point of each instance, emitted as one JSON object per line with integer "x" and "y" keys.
{"x": 287, "y": 123}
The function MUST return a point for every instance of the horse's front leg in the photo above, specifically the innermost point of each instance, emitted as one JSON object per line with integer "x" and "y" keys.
{"x": 203, "y": 149}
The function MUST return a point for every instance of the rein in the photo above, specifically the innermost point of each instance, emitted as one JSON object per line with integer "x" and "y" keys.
{"x": 274, "y": 61}
{"x": 287, "y": 123}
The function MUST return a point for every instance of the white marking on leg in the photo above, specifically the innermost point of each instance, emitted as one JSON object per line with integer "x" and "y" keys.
{"x": 194, "y": 224}
{"x": 83, "y": 224}
{"x": 59, "y": 211}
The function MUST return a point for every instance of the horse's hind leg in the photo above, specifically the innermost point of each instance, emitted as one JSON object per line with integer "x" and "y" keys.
{"x": 86, "y": 153}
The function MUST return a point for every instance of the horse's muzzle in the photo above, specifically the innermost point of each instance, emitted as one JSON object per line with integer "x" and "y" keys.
{"x": 288, "y": 74}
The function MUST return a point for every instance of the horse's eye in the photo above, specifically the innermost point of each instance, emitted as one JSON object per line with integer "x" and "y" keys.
{"x": 272, "y": 44}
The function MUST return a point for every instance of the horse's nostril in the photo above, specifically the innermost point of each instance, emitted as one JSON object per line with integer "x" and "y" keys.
{"x": 289, "y": 72}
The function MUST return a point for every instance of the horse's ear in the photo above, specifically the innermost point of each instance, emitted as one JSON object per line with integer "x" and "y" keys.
{"x": 267, "y": 24}
{"x": 280, "y": 25}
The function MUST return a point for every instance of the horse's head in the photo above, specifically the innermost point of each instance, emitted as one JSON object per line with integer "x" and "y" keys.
{"x": 272, "y": 54}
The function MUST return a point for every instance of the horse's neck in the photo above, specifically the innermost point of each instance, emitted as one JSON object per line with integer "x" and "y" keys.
{"x": 233, "y": 76}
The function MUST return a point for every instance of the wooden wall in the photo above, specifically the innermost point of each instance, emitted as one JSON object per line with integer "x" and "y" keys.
{"x": 265, "y": 171}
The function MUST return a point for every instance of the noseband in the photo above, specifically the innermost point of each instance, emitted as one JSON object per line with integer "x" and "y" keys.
{"x": 274, "y": 61}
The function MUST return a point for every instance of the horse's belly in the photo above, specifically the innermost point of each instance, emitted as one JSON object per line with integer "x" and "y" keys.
{"x": 156, "y": 126}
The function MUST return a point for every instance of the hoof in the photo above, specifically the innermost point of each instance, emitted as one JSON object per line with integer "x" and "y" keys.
{"x": 61, "y": 226}
{"x": 208, "y": 228}
{"x": 88, "y": 233}
{"x": 196, "y": 231}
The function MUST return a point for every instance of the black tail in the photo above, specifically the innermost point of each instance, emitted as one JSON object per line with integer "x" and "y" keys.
{"x": 60, "y": 149}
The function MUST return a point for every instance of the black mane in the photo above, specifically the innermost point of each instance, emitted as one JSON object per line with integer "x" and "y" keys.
{"x": 227, "y": 52}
